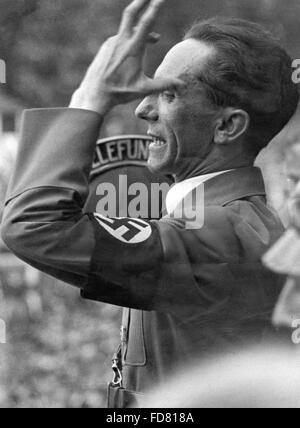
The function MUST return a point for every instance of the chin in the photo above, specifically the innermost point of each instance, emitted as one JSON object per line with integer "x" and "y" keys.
{"x": 154, "y": 168}
{"x": 159, "y": 167}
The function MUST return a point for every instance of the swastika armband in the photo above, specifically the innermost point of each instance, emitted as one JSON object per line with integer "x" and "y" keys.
{"x": 127, "y": 230}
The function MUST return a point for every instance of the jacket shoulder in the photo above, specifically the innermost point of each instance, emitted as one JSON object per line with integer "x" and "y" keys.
{"x": 240, "y": 230}
{"x": 256, "y": 225}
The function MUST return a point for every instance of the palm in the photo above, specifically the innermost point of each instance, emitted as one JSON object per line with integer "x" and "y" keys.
{"x": 116, "y": 76}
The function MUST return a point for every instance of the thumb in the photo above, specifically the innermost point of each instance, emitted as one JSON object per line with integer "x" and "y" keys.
{"x": 160, "y": 85}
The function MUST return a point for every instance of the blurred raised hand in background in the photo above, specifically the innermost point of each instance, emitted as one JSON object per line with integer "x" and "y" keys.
{"x": 272, "y": 162}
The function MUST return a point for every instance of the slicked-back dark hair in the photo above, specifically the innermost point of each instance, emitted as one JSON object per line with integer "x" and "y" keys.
{"x": 250, "y": 70}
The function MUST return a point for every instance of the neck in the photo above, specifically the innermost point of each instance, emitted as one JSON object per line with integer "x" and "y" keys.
{"x": 216, "y": 161}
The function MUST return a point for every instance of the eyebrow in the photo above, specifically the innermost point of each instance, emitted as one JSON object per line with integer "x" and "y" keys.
{"x": 201, "y": 79}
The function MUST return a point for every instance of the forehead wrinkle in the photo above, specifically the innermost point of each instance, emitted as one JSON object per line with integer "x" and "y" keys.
{"x": 191, "y": 79}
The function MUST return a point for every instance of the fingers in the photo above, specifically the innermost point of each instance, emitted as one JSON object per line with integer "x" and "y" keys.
{"x": 159, "y": 85}
{"x": 131, "y": 14}
{"x": 148, "y": 19}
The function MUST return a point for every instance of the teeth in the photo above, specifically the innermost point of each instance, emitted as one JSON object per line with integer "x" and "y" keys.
{"x": 158, "y": 142}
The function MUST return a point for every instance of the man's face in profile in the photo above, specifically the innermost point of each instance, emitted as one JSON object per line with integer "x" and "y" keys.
{"x": 180, "y": 122}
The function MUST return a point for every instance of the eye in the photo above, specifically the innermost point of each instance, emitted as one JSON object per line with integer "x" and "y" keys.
{"x": 168, "y": 95}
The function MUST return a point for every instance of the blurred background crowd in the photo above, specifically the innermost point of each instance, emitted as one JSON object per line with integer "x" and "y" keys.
{"x": 59, "y": 347}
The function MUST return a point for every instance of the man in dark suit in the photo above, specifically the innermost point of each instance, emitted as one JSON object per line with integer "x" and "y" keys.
{"x": 192, "y": 285}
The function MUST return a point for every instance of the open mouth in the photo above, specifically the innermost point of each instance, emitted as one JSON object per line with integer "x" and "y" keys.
{"x": 157, "y": 142}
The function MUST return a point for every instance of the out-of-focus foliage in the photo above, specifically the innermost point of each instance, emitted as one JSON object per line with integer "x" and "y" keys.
{"x": 59, "y": 347}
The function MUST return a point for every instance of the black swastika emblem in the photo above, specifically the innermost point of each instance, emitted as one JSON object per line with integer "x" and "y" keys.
{"x": 130, "y": 231}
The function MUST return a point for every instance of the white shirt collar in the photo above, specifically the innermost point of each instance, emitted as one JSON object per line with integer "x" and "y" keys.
{"x": 180, "y": 190}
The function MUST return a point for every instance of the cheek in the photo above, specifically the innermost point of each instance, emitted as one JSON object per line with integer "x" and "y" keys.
{"x": 195, "y": 132}
{"x": 188, "y": 123}
{"x": 172, "y": 116}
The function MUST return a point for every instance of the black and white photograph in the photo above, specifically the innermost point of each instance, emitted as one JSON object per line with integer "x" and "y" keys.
{"x": 150, "y": 207}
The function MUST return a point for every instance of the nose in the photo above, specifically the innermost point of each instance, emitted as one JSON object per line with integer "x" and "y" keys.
{"x": 147, "y": 110}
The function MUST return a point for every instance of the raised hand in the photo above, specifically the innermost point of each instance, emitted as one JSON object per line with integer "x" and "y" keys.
{"x": 116, "y": 75}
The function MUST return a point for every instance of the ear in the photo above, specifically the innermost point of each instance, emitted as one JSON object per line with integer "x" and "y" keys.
{"x": 231, "y": 125}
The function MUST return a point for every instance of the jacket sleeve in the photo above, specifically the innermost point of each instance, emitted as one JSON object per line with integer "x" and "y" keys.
{"x": 41, "y": 196}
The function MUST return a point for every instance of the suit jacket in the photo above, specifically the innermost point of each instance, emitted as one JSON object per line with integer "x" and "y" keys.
{"x": 189, "y": 291}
